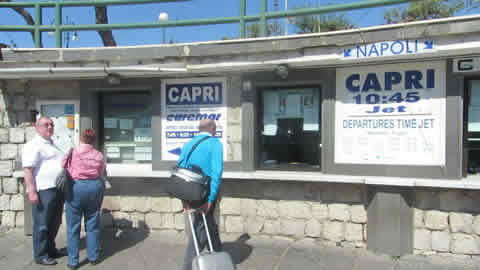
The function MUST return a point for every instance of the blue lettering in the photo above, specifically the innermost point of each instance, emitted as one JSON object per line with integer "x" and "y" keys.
{"x": 373, "y": 49}
{"x": 430, "y": 78}
{"x": 193, "y": 117}
{"x": 349, "y": 83}
{"x": 371, "y": 82}
{"x": 364, "y": 51}
{"x": 408, "y": 47}
{"x": 392, "y": 78}
{"x": 383, "y": 47}
{"x": 412, "y": 79}
{"x": 401, "y": 47}
{"x": 194, "y": 94}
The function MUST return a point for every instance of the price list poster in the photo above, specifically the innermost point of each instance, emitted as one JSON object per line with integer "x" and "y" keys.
{"x": 391, "y": 114}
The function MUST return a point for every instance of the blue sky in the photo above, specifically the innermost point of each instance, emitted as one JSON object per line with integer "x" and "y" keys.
{"x": 194, "y": 9}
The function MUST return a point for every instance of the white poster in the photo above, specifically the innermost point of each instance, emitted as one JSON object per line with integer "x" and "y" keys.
{"x": 391, "y": 114}
{"x": 184, "y": 103}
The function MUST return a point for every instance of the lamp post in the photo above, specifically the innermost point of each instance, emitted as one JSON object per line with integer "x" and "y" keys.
{"x": 163, "y": 17}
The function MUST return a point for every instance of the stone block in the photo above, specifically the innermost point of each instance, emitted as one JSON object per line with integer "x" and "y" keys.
{"x": 476, "y": 225}
{"x": 418, "y": 221}
{"x": 461, "y": 223}
{"x": 17, "y": 135}
{"x": 294, "y": 209}
{"x": 422, "y": 240}
{"x": 10, "y": 185}
{"x": 234, "y": 224}
{"x": 179, "y": 221}
{"x": 8, "y": 151}
{"x": 334, "y": 231}
{"x": 234, "y": 133}
{"x": 313, "y": 228}
{"x": 339, "y": 211}
{"x": 127, "y": 203}
{"x": 271, "y": 227}
{"x": 4, "y": 202}
{"x": 176, "y": 205}
{"x": 441, "y": 241}
{"x": 154, "y": 220}
{"x": 111, "y": 203}
{"x": 8, "y": 219}
{"x": 138, "y": 220}
{"x": 230, "y": 206}
{"x": 295, "y": 228}
{"x": 4, "y": 135}
{"x": 465, "y": 244}
{"x": 358, "y": 214}
{"x": 30, "y": 133}
{"x": 436, "y": 220}
{"x": 267, "y": 208}
{"x": 248, "y": 207}
{"x": 254, "y": 225}
{"x": 6, "y": 168}
{"x": 353, "y": 232}
{"x": 16, "y": 202}
{"x": 142, "y": 204}
{"x": 19, "y": 220}
{"x": 161, "y": 204}
{"x": 168, "y": 221}
{"x": 319, "y": 211}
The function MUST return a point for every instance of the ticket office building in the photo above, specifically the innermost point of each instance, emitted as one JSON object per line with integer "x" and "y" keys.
{"x": 360, "y": 137}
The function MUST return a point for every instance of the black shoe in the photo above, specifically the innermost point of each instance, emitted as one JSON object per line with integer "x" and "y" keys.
{"x": 71, "y": 267}
{"x": 97, "y": 261}
{"x": 59, "y": 253}
{"x": 46, "y": 261}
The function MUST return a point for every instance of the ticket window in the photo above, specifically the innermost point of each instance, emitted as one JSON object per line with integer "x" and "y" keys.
{"x": 290, "y": 129}
{"x": 127, "y": 130}
{"x": 472, "y": 138}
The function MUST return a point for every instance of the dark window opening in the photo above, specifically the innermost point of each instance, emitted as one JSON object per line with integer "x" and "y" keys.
{"x": 290, "y": 129}
{"x": 472, "y": 125}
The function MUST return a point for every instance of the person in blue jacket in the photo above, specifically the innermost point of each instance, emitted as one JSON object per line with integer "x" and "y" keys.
{"x": 209, "y": 157}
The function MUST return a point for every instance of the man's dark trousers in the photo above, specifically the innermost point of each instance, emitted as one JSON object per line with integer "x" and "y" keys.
{"x": 47, "y": 217}
{"x": 202, "y": 236}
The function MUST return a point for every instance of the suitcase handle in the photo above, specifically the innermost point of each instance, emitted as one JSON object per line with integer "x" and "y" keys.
{"x": 195, "y": 241}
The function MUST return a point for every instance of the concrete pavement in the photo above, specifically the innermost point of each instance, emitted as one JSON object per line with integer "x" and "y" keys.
{"x": 157, "y": 250}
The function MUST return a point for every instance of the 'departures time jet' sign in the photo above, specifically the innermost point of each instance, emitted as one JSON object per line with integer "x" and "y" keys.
{"x": 391, "y": 114}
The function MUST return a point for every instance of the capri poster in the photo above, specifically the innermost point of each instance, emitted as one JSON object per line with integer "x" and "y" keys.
{"x": 185, "y": 102}
{"x": 391, "y": 114}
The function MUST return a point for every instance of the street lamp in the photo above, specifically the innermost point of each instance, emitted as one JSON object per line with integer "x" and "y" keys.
{"x": 163, "y": 17}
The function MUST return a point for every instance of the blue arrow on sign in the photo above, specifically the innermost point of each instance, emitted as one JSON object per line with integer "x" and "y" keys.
{"x": 428, "y": 44}
{"x": 346, "y": 52}
{"x": 176, "y": 151}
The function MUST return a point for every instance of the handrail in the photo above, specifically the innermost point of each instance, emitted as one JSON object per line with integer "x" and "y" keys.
{"x": 242, "y": 19}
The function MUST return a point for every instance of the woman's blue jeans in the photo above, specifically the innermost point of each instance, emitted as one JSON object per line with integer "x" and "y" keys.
{"x": 86, "y": 201}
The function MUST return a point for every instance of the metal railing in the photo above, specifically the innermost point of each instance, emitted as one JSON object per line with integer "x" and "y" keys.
{"x": 242, "y": 19}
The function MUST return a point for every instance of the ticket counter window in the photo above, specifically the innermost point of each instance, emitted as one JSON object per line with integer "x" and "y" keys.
{"x": 290, "y": 129}
{"x": 472, "y": 144}
{"x": 127, "y": 133}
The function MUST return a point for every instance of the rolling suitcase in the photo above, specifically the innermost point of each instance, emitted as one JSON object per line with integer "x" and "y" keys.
{"x": 211, "y": 260}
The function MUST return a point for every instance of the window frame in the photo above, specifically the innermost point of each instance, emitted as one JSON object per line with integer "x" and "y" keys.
{"x": 466, "y": 145}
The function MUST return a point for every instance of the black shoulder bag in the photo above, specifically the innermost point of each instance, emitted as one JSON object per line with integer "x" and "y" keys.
{"x": 63, "y": 182}
{"x": 190, "y": 185}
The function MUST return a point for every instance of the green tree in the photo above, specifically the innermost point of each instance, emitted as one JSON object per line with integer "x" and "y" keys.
{"x": 273, "y": 29}
{"x": 321, "y": 23}
{"x": 424, "y": 10}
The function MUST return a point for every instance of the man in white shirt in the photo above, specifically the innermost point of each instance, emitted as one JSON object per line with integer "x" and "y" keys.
{"x": 41, "y": 161}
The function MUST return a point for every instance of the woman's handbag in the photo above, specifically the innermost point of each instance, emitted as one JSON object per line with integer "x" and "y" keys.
{"x": 190, "y": 185}
{"x": 64, "y": 179}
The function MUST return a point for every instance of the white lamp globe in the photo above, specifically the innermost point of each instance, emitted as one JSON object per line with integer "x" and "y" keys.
{"x": 163, "y": 16}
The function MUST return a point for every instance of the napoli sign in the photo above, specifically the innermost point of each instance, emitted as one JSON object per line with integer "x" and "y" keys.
{"x": 388, "y": 48}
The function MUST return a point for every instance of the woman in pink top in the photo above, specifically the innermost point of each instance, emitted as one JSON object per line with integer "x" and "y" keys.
{"x": 87, "y": 165}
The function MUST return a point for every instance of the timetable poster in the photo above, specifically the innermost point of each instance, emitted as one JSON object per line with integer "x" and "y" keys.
{"x": 185, "y": 102}
{"x": 391, "y": 114}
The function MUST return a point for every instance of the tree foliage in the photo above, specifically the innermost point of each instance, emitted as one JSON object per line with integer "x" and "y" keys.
{"x": 322, "y": 23}
{"x": 424, "y": 10}
{"x": 273, "y": 29}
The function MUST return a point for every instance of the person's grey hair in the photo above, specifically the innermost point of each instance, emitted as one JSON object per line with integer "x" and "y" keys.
{"x": 40, "y": 118}
{"x": 205, "y": 125}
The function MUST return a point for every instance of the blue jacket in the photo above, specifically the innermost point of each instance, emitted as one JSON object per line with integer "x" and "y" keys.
{"x": 209, "y": 157}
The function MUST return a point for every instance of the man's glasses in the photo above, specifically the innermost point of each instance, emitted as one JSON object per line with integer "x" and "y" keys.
{"x": 48, "y": 124}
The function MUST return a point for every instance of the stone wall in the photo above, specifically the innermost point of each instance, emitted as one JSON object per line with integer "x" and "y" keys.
{"x": 333, "y": 213}
{"x": 447, "y": 222}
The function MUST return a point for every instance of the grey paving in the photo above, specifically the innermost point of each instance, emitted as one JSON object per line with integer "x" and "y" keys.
{"x": 134, "y": 249}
